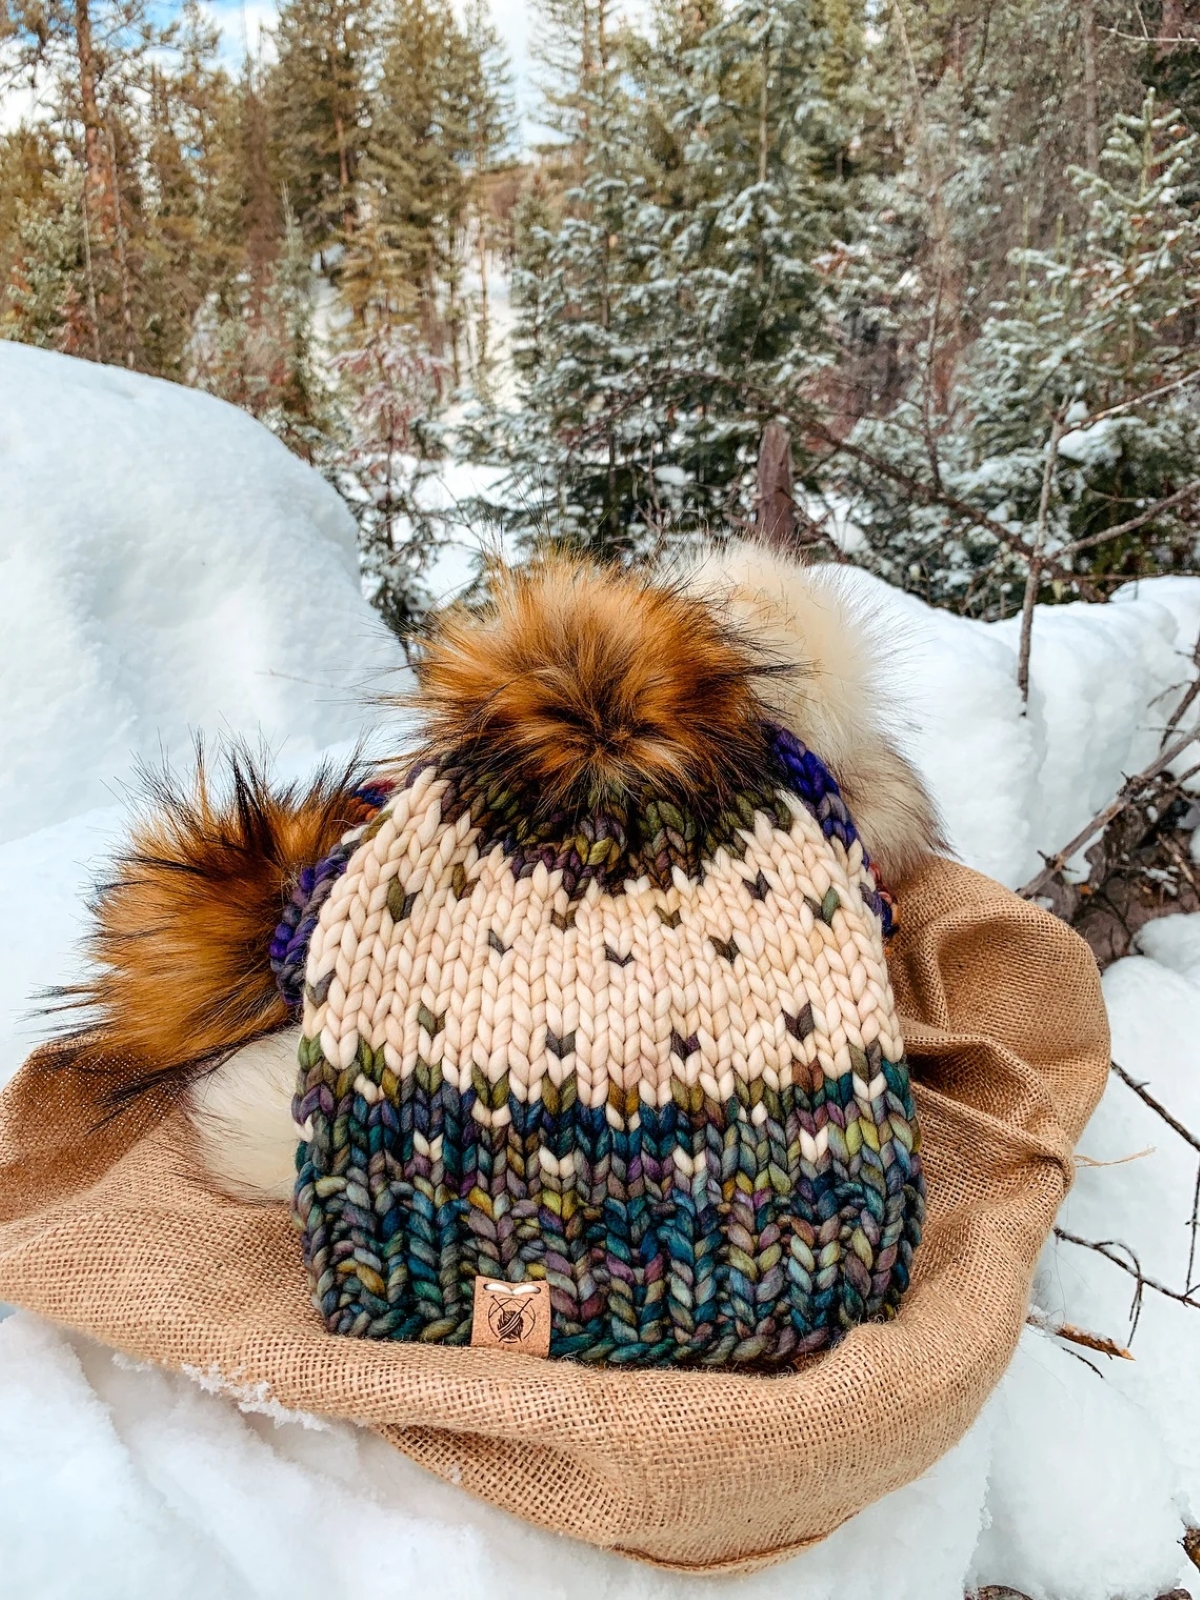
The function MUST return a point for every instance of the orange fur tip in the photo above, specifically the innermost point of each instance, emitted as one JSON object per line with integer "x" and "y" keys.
{"x": 581, "y": 682}
{"x": 180, "y": 942}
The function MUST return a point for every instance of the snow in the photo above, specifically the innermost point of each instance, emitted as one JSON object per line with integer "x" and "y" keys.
{"x": 1102, "y": 682}
{"x": 1094, "y": 446}
{"x": 127, "y": 503}
{"x": 168, "y": 566}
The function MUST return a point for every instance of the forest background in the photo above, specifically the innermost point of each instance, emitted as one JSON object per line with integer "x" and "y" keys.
{"x": 912, "y": 283}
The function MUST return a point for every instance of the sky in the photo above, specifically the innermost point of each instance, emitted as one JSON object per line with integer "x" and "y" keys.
{"x": 243, "y": 23}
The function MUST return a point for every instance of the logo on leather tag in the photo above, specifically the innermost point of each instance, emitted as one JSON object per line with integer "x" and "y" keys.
{"x": 511, "y": 1316}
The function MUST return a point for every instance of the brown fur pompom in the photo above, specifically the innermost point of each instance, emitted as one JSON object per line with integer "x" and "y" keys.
{"x": 182, "y": 928}
{"x": 582, "y": 683}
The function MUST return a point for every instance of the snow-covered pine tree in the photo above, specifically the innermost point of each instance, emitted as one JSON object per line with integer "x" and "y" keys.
{"x": 1073, "y": 413}
{"x": 391, "y": 388}
{"x": 732, "y": 292}
{"x": 438, "y": 109}
{"x": 670, "y": 308}
{"x": 566, "y": 443}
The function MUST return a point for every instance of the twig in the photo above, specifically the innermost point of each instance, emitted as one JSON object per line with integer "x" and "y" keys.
{"x": 1140, "y": 399}
{"x": 1033, "y": 577}
{"x": 1129, "y": 789}
{"x": 1108, "y": 1248}
{"x": 1189, "y": 695}
{"x": 1068, "y": 1330}
{"x": 1181, "y": 861}
{"x": 1195, "y": 1224}
{"x": 1156, "y": 1106}
{"x": 1142, "y": 517}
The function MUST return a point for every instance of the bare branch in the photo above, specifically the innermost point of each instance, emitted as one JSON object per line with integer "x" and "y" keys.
{"x": 1034, "y": 576}
{"x": 1156, "y": 1106}
{"x": 1068, "y": 1330}
{"x": 1141, "y": 399}
{"x": 1188, "y": 699}
{"x": 1108, "y": 1248}
{"x": 1148, "y": 515}
{"x": 1128, "y": 791}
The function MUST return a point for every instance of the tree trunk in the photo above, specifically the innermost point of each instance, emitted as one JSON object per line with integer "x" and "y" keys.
{"x": 1175, "y": 27}
{"x": 122, "y": 257}
{"x": 1091, "y": 99}
{"x": 775, "y": 518}
{"x": 482, "y": 331}
{"x": 347, "y": 195}
{"x": 97, "y": 189}
{"x": 763, "y": 106}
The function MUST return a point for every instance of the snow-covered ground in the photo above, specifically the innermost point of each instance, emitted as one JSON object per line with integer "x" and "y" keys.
{"x": 166, "y": 566}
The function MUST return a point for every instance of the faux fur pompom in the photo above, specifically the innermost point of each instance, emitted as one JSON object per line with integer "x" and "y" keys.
{"x": 835, "y": 693}
{"x": 182, "y": 928}
{"x": 584, "y": 683}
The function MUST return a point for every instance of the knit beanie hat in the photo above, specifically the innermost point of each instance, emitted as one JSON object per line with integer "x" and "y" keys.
{"x": 598, "y": 1000}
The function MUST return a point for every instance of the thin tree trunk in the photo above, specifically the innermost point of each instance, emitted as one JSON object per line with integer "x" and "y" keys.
{"x": 763, "y": 133}
{"x": 482, "y": 332}
{"x": 610, "y": 517}
{"x": 91, "y": 281}
{"x": 1034, "y": 578}
{"x": 763, "y": 105}
{"x": 339, "y": 129}
{"x": 97, "y": 191}
{"x": 122, "y": 258}
{"x": 1091, "y": 100}
{"x": 775, "y": 517}
{"x": 586, "y": 68}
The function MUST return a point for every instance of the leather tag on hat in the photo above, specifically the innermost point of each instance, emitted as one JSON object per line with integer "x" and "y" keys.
{"x": 511, "y": 1316}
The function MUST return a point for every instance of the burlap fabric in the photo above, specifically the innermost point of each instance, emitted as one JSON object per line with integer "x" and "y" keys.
{"x": 105, "y": 1229}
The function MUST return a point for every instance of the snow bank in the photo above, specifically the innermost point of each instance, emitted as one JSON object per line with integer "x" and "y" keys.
{"x": 1103, "y": 679}
{"x": 165, "y": 565}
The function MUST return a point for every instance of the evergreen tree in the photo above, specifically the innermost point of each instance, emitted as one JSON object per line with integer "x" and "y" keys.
{"x": 392, "y": 387}
{"x": 673, "y": 307}
{"x": 414, "y": 183}
{"x": 318, "y": 100}
{"x": 1090, "y": 327}
{"x": 491, "y": 131}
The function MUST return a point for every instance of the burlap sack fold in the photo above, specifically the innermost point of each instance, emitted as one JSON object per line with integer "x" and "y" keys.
{"x": 107, "y": 1229}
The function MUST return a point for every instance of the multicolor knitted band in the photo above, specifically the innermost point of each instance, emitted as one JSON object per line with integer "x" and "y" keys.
{"x": 650, "y": 1058}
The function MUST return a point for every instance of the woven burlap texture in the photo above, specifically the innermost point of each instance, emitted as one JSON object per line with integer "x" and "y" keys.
{"x": 106, "y": 1229}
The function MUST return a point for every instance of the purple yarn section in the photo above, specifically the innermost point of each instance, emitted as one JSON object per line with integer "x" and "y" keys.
{"x": 811, "y": 780}
{"x": 289, "y": 943}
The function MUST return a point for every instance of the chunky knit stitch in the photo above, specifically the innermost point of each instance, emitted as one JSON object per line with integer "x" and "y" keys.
{"x": 647, "y": 1055}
